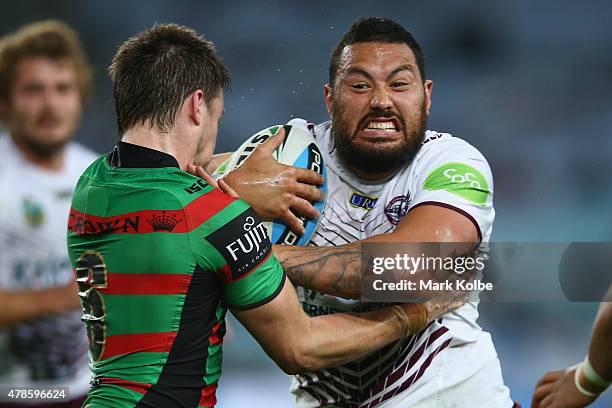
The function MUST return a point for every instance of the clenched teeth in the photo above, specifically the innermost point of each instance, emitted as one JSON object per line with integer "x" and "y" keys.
{"x": 390, "y": 126}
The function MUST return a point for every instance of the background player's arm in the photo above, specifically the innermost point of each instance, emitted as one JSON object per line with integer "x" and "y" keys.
{"x": 19, "y": 306}
{"x": 599, "y": 349}
{"x": 300, "y": 343}
{"x": 557, "y": 388}
{"x": 337, "y": 270}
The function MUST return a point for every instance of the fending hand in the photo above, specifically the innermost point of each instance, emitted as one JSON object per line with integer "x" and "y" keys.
{"x": 556, "y": 389}
{"x": 276, "y": 190}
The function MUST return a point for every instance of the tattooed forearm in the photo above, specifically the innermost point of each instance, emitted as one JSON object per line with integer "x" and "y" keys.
{"x": 331, "y": 270}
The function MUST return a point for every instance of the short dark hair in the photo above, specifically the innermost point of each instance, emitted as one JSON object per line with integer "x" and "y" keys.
{"x": 50, "y": 39}
{"x": 154, "y": 71}
{"x": 376, "y": 29}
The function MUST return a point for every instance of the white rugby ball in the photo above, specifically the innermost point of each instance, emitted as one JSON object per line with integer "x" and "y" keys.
{"x": 300, "y": 150}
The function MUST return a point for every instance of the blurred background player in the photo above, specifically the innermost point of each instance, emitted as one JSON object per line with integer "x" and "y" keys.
{"x": 582, "y": 384}
{"x": 44, "y": 83}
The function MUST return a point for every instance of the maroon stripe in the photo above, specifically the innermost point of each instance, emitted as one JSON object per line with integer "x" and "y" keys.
{"x": 397, "y": 374}
{"x": 414, "y": 377}
{"x": 380, "y": 386}
{"x": 308, "y": 387}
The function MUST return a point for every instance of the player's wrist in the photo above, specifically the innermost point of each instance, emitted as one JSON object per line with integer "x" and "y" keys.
{"x": 593, "y": 376}
{"x": 413, "y": 317}
{"x": 588, "y": 382}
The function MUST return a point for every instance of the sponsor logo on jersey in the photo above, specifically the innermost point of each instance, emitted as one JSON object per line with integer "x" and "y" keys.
{"x": 63, "y": 194}
{"x": 33, "y": 213}
{"x": 195, "y": 187}
{"x": 243, "y": 242}
{"x": 397, "y": 208}
{"x": 80, "y": 225}
{"x": 163, "y": 221}
{"x": 362, "y": 201}
{"x": 460, "y": 179}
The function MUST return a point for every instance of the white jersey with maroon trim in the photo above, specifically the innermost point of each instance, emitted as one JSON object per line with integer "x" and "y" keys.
{"x": 34, "y": 205}
{"x": 446, "y": 171}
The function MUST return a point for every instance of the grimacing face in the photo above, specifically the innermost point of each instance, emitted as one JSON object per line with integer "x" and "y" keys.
{"x": 379, "y": 106}
{"x": 45, "y": 104}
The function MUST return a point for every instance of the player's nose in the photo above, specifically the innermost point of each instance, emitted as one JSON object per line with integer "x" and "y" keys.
{"x": 381, "y": 100}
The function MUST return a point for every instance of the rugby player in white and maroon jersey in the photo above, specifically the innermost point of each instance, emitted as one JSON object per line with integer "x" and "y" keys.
{"x": 390, "y": 180}
{"x": 44, "y": 81}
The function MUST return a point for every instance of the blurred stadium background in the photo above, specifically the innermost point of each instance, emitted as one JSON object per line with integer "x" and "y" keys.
{"x": 529, "y": 83}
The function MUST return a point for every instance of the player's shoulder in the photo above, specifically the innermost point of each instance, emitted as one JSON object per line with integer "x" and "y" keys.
{"x": 441, "y": 149}
{"x": 441, "y": 143}
{"x": 158, "y": 182}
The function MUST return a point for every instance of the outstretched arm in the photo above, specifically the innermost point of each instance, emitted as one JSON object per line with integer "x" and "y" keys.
{"x": 300, "y": 343}
{"x": 559, "y": 389}
{"x": 19, "y": 306}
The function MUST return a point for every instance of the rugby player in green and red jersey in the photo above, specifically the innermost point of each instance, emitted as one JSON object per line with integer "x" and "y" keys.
{"x": 160, "y": 254}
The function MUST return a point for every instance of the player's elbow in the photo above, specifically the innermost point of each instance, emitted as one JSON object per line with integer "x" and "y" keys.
{"x": 297, "y": 361}
{"x": 298, "y": 356}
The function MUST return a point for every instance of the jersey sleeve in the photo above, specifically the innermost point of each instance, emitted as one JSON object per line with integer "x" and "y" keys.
{"x": 234, "y": 242}
{"x": 455, "y": 175}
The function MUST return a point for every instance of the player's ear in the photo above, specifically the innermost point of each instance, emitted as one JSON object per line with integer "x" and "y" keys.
{"x": 327, "y": 91}
{"x": 196, "y": 106}
{"x": 428, "y": 85}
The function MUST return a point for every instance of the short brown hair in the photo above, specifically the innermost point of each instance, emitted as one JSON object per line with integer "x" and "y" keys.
{"x": 154, "y": 71}
{"x": 49, "y": 39}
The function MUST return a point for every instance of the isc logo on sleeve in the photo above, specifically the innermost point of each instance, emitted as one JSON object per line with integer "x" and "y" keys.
{"x": 243, "y": 242}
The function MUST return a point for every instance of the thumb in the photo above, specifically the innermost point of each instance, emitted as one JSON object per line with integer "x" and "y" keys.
{"x": 273, "y": 142}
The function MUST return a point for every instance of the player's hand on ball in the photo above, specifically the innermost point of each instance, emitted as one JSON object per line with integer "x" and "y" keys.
{"x": 557, "y": 390}
{"x": 276, "y": 190}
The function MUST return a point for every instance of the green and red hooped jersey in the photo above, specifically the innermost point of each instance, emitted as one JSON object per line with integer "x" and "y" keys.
{"x": 159, "y": 256}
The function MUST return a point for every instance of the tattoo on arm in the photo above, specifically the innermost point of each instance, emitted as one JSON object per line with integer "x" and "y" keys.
{"x": 330, "y": 270}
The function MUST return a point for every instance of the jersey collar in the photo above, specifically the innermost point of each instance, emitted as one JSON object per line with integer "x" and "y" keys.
{"x": 127, "y": 155}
